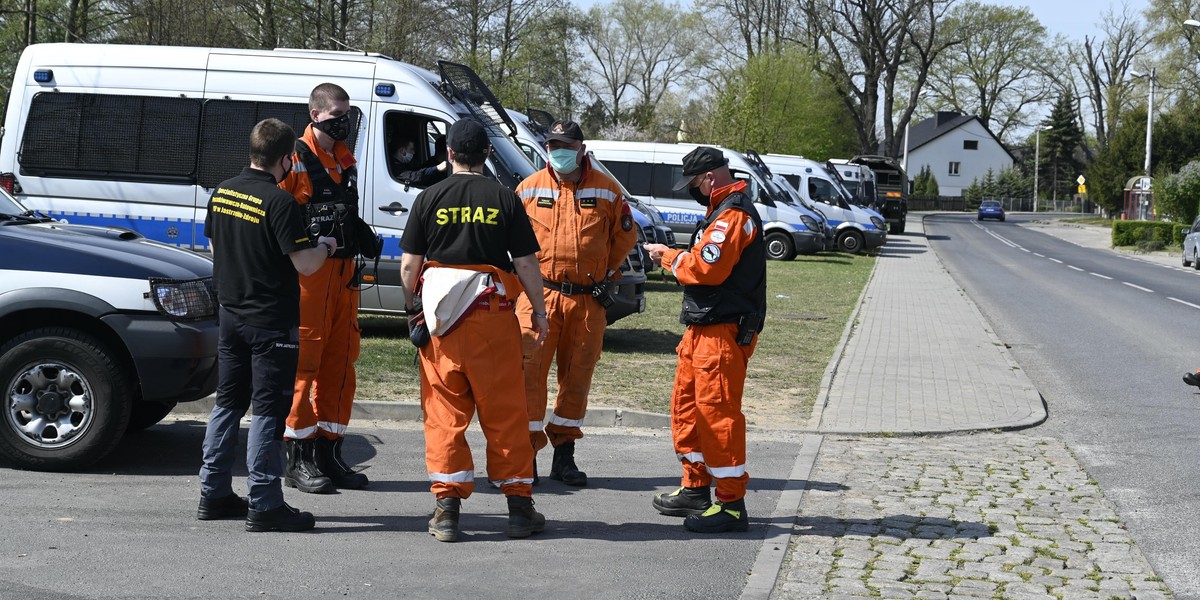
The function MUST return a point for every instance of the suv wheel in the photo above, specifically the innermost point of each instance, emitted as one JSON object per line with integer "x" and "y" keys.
{"x": 65, "y": 399}
{"x": 850, "y": 241}
{"x": 780, "y": 246}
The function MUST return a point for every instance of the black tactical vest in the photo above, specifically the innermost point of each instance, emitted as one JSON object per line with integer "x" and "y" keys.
{"x": 744, "y": 292}
{"x": 333, "y": 209}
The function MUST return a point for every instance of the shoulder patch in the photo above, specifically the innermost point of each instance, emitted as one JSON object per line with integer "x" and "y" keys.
{"x": 717, "y": 236}
{"x": 720, "y": 226}
{"x": 749, "y": 227}
{"x": 626, "y": 222}
{"x": 710, "y": 253}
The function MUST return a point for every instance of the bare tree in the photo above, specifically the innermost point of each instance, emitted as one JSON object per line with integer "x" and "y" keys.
{"x": 762, "y": 26}
{"x": 867, "y": 47}
{"x": 996, "y": 73}
{"x": 1103, "y": 65}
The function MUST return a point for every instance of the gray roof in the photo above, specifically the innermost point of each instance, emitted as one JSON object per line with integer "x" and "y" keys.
{"x": 940, "y": 124}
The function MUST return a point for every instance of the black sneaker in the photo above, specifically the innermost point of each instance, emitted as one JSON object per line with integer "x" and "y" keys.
{"x": 523, "y": 520}
{"x": 281, "y": 518}
{"x": 720, "y": 517}
{"x": 683, "y": 502}
{"x": 444, "y": 524}
{"x": 1192, "y": 379}
{"x": 224, "y": 507}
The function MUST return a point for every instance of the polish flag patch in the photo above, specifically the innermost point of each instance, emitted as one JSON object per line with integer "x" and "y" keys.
{"x": 720, "y": 226}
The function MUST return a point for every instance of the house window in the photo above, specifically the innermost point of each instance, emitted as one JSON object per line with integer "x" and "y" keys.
{"x": 954, "y": 167}
{"x": 970, "y": 144}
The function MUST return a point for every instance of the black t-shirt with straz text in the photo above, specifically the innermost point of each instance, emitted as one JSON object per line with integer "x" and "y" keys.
{"x": 254, "y": 225}
{"x": 466, "y": 220}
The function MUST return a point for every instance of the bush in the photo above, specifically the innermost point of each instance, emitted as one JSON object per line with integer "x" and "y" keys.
{"x": 1177, "y": 195}
{"x": 1136, "y": 233}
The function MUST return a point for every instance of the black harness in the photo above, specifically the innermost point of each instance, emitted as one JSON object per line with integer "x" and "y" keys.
{"x": 333, "y": 211}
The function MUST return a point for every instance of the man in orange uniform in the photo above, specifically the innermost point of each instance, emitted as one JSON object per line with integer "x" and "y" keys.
{"x": 458, "y": 280}
{"x": 585, "y": 230}
{"x": 323, "y": 178}
{"x": 724, "y": 278}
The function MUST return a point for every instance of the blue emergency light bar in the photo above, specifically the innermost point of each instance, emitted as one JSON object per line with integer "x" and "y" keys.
{"x": 43, "y": 75}
{"x": 385, "y": 89}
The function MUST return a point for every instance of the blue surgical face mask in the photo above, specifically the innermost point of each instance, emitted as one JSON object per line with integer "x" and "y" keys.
{"x": 563, "y": 160}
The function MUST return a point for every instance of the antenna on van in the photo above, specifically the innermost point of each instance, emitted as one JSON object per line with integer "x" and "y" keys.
{"x": 350, "y": 48}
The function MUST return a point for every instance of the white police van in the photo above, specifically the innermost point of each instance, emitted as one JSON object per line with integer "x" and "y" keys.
{"x": 856, "y": 229}
{"x": 649, "y": 171}
{"x": 137, "y": 136}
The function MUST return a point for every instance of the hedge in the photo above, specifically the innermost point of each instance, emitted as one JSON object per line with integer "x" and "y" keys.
{"x": 1132, "y": 233}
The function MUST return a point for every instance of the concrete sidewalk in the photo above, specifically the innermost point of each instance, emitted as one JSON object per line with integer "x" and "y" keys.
{"x": 921, "y": 357}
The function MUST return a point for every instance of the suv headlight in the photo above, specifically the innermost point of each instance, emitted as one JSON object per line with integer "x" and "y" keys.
{"x": 877, "y": 222}
{"x": 184, "y": 299}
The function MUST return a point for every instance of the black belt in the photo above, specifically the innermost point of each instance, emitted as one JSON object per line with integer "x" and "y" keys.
{"x": 568, "y": 288}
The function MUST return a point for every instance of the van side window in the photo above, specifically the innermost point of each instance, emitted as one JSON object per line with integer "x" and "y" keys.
{"x": 619, "y": 170}
{"x": 225, "y": 137}
{"x": 665, "y": 176}
{"x": 820, "y": 190}
{"x": 71, "y": 135}
{"x": 429, "y": 147}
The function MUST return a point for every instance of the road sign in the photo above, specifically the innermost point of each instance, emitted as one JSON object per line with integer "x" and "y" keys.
{"x": 1081, "y": 180}
{"x": 1082, "y": 188}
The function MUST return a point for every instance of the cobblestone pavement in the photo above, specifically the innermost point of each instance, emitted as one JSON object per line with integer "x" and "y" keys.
{"x": 992, "y": 515}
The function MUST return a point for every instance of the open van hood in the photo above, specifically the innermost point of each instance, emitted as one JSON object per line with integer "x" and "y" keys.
{"x": 466, "y": 87}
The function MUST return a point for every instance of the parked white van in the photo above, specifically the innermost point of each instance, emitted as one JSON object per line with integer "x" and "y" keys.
{"x": 859, "y": 181}
{"x": 855, "y": 229}
{"x": 649, "y": 170}
{"x": 137, "y": 136}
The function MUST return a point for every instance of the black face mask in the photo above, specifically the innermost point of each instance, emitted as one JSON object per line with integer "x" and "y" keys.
{"x": 337, "y": 128}
{"x": 694, "y": 192}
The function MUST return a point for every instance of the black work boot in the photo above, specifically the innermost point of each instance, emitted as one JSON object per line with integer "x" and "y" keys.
{"x": 444, "y": 524}
{"x": 683, "y": 502}
{"x": 301, "y": 473}
{"x": 1192, "y": 379}
{"x": 523, "y": 520}
{"x": 328, "y": 454}
{"x": 563, "y": 468}
{"x": 224, "y": 507}
{"x": 720, "y": 517}
{"x": 281, "y": 518}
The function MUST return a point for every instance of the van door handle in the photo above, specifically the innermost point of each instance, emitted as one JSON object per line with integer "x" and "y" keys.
{"x": 394, "y": 208}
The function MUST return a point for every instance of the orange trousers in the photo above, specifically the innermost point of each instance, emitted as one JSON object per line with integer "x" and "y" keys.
{"x": 575, "y": 339}
{"x": 707, "y": 424}
{"x": 329, "y": 344}
{"x": 477, "y": 366}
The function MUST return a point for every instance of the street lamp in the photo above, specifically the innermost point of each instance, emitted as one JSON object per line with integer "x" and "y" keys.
{"x": 1149, "y": 111}
{"x": 1037, "y": 150}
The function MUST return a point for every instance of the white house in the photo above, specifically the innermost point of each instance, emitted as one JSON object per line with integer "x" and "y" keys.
{"x": 958, "y": 149}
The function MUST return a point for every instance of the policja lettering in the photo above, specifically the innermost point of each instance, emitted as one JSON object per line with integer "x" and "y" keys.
{"x": 456, "y": 215}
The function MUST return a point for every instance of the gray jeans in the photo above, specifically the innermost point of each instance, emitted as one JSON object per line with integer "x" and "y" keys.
{"x": 257, "y": 367}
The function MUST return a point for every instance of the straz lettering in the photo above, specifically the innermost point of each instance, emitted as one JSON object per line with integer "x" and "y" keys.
{"x": 462, "y": 215}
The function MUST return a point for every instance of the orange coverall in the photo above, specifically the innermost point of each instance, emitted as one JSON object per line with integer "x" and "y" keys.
{"x": 472, "y": 367}
{"x": 707, "y": 424}
{"x": 329, "y": 334}
{"x": 585, "y": 230}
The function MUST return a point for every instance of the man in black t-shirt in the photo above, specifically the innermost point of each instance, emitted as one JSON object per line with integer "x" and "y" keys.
{"x": 457, "y": 243}
{"x": 260, "y": 242}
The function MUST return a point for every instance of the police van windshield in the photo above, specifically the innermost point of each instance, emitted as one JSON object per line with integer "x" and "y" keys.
{"x": 9, "y": 205}
{"x": 509, "y": 162}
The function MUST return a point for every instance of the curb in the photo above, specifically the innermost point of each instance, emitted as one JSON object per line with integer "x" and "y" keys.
{"x": 411, "y": 411}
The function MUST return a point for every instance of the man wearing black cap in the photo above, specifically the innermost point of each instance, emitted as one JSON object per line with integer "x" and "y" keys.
{"x": 585, "y": 230}
{"x": 459, "y": 280}
{"x": 724, "y": 278}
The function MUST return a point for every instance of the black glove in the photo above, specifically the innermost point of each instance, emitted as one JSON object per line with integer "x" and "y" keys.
{"x": 418, "y": 331}
{"x": 370, "y": 245}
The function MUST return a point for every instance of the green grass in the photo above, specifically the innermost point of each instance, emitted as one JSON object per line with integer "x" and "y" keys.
{"x": 809, "y": 301}
{"x": 1089, "y": 221}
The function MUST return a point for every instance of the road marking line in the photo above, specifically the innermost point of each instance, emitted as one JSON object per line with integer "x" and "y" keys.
{"x": 1039, "y": 254}
{"x": 1102, "y": 276}
{"x": 1184, "y": 302}
{"x": 1138, "y": 287}
{"x": 1075, "y": 267}
{"x": 1056, "y": 260}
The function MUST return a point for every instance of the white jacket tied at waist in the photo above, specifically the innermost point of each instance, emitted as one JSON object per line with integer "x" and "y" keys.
{"x": 448, "y": 293}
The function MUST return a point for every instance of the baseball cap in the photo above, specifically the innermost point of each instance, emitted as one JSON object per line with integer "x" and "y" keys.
{"x": 467, "y": 135}
{"x": 565, "y": 131}
{"x": 701, "y": 160}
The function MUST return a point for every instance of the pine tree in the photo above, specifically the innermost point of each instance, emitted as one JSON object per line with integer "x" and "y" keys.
{"x": 1060, "y": 142}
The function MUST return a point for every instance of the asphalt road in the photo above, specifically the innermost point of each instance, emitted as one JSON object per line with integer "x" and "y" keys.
{"x": 127, "y": 528}
{"x": 1105, "y": 339}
